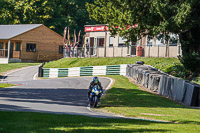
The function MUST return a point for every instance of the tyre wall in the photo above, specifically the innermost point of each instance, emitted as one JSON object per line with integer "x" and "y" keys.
{"x": 165, "y": 85}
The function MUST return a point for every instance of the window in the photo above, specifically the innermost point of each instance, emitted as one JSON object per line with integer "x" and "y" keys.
{"x": 18, "y": 46}
{"x": 173, "y": 40}
{"x": 121, "y": 42}
{"x": 11, "y": 45}
{"x": 1, "y": 45}
{"x": 30, "y": 47}
{"x": 100, "y": 42}
{"x": 60, "y": 49}
{"x": 111, "y": 41}
{"x": 159, "y": 42}
{"x": 149, "y": 41}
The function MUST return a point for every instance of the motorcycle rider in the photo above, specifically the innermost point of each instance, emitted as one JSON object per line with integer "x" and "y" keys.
{"x": 93, "y": 83}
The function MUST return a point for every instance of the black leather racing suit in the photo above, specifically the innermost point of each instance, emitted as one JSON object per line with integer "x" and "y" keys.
{"x": 92, "y": 85}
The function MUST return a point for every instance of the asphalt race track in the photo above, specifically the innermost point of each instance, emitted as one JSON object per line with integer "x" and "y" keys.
{"x": 62, "y": 95}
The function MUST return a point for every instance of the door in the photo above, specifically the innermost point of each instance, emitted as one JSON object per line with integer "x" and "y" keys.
{"x": 91, "y": 45}
{"x": 95, "y": 46}
{"x": 133, "y": 49}
{"x": 11, "y": 50}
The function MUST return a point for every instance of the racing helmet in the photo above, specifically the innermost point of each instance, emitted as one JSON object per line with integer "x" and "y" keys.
{"x": 96, "y": 80}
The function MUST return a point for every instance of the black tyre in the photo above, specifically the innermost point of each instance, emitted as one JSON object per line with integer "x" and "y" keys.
{"x": 95, "y": 101}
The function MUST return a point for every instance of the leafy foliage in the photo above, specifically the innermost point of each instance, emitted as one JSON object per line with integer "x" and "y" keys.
{"x": 153, "y": 17}
{"x": 55, "y": 14}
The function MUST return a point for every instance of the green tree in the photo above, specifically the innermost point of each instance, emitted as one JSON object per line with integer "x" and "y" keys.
{"x": 55, "y": 14}
{"x": 154, "y": 17}
{"x": 25, "y": 12}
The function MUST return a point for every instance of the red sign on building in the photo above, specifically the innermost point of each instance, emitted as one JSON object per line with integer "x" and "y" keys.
{"x": 102, "y": 28}
{"x": 95, "y": 28}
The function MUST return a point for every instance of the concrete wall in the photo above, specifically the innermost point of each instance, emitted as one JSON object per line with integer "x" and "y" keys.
{"x": 160, "y": 51}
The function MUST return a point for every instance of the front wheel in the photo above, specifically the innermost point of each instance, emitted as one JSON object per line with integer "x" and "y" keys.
{"x": 95, "y": 101}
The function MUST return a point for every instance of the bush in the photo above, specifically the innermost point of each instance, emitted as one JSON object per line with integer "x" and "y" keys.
{"x": 191, "y": 62}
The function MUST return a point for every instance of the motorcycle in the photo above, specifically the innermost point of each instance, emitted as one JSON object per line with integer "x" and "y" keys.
{"x": 95, "y": 96}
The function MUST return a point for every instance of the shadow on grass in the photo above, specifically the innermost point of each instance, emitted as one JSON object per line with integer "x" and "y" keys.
{"x": 48, "y": 123}
{"x": 121, "y": 97}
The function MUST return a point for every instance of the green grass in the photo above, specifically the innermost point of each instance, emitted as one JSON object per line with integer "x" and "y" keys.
{"x": 18, "y": 122}
{"x": 11, "y": 66}
{"x": 127, "y": 99}
{"x": 164, "y": 64}
{"x": 196, "y": 80}
{"x": 5, "y": 85}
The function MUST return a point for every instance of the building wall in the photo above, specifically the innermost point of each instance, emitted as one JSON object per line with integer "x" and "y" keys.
{"x": 47, "y": 44}
{"x": 158, "y": 50}
{"x": 147, "y": 51}
{"x": 118, "y": 51}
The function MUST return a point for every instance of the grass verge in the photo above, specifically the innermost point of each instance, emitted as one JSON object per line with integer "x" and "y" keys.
{"x": 164, "y": 64}
{"x": 127, "y": 99}
{"x": 5, "y": 85}
{"x": 22, "y": 122}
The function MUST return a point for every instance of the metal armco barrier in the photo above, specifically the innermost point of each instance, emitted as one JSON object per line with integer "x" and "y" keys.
{"x": 85, "y": 71}
{"x": 164, "y": 84}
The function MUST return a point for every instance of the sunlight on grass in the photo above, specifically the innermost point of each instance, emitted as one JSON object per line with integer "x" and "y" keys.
{"x": 161, "y": 63}
{"x": 127, "y": 99}
{"x": 5, "y": 85}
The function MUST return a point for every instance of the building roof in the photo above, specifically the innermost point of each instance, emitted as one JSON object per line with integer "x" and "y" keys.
{"x": 10, "y": 31}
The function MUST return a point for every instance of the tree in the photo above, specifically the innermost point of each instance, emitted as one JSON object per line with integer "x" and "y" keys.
{"x": 25, "y": 12}
{"x": 154, "y": 17}
{"x": 55, "y": 14}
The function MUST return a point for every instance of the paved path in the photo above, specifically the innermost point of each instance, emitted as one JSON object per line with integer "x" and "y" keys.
{"x": 23, "y": 74}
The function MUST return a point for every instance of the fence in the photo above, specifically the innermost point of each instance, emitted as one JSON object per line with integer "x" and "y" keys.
{"x": 166, "y": 85}
{"x": 124, "y": 51}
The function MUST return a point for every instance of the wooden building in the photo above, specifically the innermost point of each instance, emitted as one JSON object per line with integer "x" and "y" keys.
{"x": 29, "y": 43}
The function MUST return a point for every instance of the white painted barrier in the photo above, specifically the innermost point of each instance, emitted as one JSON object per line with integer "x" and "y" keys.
{"x": 99, "y": 70}
{"x": 3, "y": 60}
{"x": 75, "y": 71}
{"x": 53, "y": 73}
